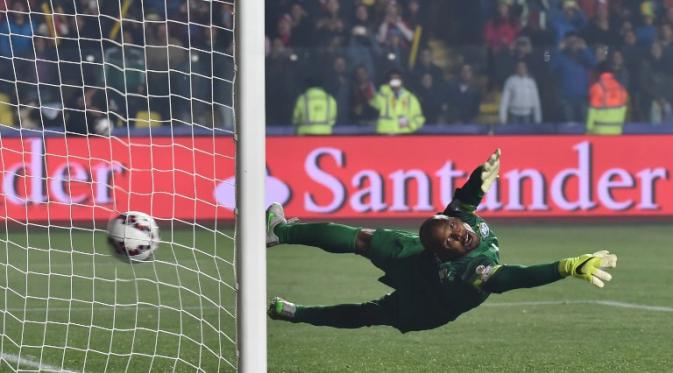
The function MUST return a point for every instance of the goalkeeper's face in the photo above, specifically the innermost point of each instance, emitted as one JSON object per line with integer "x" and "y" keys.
{"x": 448, "y": 237}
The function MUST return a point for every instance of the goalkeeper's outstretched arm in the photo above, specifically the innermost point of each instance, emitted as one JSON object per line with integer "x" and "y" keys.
{"x": 468, "y": 197}
{"x": 588, "y": 267}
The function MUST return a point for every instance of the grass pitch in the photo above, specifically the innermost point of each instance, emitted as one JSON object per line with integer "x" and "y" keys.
{"x": 568, "y": 326}
{"x": 58, "y": 308}
{"x": 68, "y": 304}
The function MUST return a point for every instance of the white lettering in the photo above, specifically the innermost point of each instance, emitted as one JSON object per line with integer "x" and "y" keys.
{"x": 61, "y": 179}
{"x": 400, "y": 179}
{"x": 607, "y": 182}
{"x": 373, "y": 192}
{"x": 446, "y": 175}
{"x": 583, "y": 175}
{"x": 9, "y": 184}
{"x": 104, "y": 181}
{"x": 323, "y": 178}
{"x": 515, "y": 180}
{"x": 36, "y": 172}
{"x": 648, "y": 178}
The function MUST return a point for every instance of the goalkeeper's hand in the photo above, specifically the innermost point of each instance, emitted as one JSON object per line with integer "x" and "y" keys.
{"x": 490, "y": 170}
{"x": 589, "y": 267}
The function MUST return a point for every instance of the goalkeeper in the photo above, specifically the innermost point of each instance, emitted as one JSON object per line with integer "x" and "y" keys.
{"x": 450, "y": 267}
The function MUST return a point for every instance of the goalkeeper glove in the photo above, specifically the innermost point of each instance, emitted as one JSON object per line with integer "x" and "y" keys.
{"x": 490, "y": 170}
{"x": 589, "y": 267}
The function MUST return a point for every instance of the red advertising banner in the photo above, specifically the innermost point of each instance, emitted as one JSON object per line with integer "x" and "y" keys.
{"x": 85, "y": 179}
{"x": 335, "y": 177}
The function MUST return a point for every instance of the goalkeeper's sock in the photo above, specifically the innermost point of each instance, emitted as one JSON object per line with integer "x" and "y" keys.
{"x": 331, "y": 237}
{"x": 346, "y": 316}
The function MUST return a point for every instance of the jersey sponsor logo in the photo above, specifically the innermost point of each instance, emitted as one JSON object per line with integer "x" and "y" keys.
{"x": 446, "y": 275}
{"x": 484, "y": 230}
{"x": 484, "y": 272}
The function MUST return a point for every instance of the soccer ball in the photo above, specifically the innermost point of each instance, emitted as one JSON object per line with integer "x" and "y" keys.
{"x": 133, "y": 235}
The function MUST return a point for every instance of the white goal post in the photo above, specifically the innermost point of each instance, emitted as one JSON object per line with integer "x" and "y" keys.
{"x": 250, "y": 175}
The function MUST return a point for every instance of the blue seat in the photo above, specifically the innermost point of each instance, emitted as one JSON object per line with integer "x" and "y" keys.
{"x": 455, "y": 129}
{"x": 524, "y": 129}
{"x": 647, "y": 128}
{"x": 571, "y": 128}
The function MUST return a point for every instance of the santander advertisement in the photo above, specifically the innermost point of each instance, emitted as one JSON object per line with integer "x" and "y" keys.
{"x": 335, "y": 177}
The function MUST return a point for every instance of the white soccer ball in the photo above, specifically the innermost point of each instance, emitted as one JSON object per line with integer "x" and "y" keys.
{"x": 134, "y": 235}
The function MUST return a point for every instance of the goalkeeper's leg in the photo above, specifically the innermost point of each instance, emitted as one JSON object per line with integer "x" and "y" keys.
{"x": 331, "y": 237}
{"x": 345, "y": 316}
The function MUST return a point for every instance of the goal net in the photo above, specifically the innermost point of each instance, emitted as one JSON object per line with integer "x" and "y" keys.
{"x": 106, "y": 107}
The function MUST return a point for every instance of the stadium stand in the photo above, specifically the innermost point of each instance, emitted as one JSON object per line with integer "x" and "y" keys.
{"x": 562, "y": 43}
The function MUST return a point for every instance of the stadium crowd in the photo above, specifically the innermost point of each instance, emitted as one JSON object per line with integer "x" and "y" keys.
{"x": 71, "y": 65}
{"x": 395, "y": 65}
{"x": 491, "y": 61}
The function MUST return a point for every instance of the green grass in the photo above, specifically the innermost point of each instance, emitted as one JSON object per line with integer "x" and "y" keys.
{"x": 167, "y": 315}
{"x": 505, "y": 334}
{"x": 58, "y": 304}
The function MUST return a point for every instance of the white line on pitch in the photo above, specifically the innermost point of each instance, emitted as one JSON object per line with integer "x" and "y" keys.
{"x": 609, "y": 303}
{"x": 23, "y": 362}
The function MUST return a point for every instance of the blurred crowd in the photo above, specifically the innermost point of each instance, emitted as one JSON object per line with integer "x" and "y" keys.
{"x": 72, "y": 65}
{"x": 397, "y": 65}
{"x": 488, "y": 61}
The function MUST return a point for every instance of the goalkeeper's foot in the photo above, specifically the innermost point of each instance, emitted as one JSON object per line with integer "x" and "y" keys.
{"x": 274, "y": 216}
{"x": 280, "y": 309}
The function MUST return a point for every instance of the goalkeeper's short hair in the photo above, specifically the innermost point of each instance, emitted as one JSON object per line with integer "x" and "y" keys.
{"x": 426, "y": 232}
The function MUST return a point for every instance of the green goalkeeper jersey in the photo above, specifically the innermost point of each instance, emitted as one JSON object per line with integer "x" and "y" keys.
{"x": 430, "y": 292}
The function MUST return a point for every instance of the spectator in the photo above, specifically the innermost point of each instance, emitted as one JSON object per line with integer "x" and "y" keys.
{"x": 338, "y": 85}
{"x": 571, "y": 65}
{"x": 520, "y": 102}
{"x": 363, "y": 90}
{"x": 425, "y": 65}
{"x": 315, "y": 110}
{"x": 85, "y": 110}
{"x": 394, "y": 27}
{"x": 505, "y": 62}
{"x": 284, "y": 29}
{"x": 607, "y": 100}
{"x": 399, "y": 109}
{"x": 537, "y": 28}
{"x": 18, "y": 26}
{"x": 330, "y": 27}
{"x": 463, "y": 97}
{"x": 599, "y": 31}
{"x": 362, "y": 45}
{"x": 416, "y": 14}
{"x": 646, "y": 32}
{"x": 501, "y": 30}
{"x": 302, "y": 27}
{"x": 283, "y": 69}
{"x": 666, "y": 40}
{"x": 430, "y": 97}
{"x": 619, "y": 69}
{"x": 394, "y": 53}
{"x": 570, "y": 19}
{"x": 655, "y": 86}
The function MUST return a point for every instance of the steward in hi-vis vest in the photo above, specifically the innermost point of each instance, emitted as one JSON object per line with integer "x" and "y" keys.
{"x": 399, "y": 109}
{"x": 315, "y": 112}
{"x": 607, "y": 105}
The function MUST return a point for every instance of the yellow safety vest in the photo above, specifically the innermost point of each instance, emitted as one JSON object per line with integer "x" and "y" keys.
{"x": 315, "y": 112}
{"x": 397, "y": 115}
{"x": 607, "y": 110}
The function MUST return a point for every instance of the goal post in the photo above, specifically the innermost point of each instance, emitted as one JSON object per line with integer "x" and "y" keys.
{"x": 250, "y": 174}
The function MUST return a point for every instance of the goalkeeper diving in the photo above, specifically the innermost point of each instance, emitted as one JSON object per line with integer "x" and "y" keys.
{"x": 450, "y": 267}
